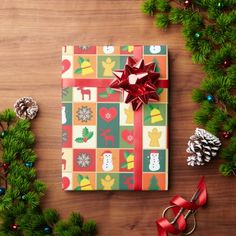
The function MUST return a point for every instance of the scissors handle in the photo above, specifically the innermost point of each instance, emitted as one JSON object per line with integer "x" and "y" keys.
{"x": 186, "y": 216}
{"x": 194, "y": 223}
{"x": 176, "y": 217}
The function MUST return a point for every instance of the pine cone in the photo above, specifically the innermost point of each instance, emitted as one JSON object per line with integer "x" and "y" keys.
{"x": 202, "y": 146}
{"x": 26, "y": 108}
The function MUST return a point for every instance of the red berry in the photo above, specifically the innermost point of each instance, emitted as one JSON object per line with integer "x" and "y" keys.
{"x": 226, "y": 63}
{"x": 85, "y": 140}
{"x": 5, "y": 166}
{"x": 187, "y": 3}
{"x": 227, "y": 134}
{"x": 14, "y": 226}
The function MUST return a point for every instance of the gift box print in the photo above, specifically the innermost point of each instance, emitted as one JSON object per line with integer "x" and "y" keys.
{"x": 99, "y": 130}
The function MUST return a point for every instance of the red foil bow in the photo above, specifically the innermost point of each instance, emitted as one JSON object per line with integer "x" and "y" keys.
{"x": 179, "y": 204}
{"x": 138, "y": 81}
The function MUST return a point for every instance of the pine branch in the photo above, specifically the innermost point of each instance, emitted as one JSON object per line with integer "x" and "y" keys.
{"x": 209, "y": 28}
{"x": 20, "y": 210}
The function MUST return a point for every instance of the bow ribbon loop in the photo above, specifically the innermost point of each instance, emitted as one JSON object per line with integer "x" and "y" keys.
{"x": 138, "y": 82}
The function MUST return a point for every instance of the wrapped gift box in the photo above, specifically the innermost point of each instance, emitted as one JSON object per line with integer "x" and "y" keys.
{"x": 105, "y": 144}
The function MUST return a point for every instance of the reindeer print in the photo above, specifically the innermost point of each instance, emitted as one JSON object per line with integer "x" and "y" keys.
{"x": 84, "y": 92}
{"x": 63, "y": 162}
{"x": 106, "y": 137}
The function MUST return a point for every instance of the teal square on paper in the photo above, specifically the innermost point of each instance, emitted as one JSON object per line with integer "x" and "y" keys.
{"x": 147, "y": 160}
{"x": 155, "y": 50}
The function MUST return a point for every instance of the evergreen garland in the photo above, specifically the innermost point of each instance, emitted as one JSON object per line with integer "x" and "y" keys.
{"x": 20, "y": 191}
{"x": 209, "y": 28}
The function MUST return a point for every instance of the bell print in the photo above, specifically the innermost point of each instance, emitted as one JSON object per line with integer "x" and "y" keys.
{"x": 84, "y": 183}
{"x": 156, "y": 116}
{"x": 86, "y": 68}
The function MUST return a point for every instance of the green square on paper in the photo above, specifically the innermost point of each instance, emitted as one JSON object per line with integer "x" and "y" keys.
{"x": 66, "y": 94}
{"x": 107, "y": 181}
{"x": 107, "y": 64}
{"x": 155, "y": 50}
{"x": 146, "y": 161}
{"x": 126, "y": 181}
{"x": 123, "y": 60}
{"x": 155, "y": 114}
{"x": 126, "y": 136}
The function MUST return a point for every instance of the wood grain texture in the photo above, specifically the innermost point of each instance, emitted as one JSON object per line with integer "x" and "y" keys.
{"x": 31, "y": 35}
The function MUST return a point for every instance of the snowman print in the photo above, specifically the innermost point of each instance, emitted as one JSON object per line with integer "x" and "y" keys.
{"x": 108, "y": 49}
{"x": 107, "y": 162}
{"x": 154, "y": 162}
{"x": 154, "y": 49}
{"x": 63, "y": 112}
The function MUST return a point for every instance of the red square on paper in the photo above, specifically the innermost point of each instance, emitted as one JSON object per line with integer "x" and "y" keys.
{"x": 84, "y": 160}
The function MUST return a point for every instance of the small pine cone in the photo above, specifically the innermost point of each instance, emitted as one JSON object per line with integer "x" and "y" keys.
{"x": 26, "y": 108}
{"x": 202, "y": 146}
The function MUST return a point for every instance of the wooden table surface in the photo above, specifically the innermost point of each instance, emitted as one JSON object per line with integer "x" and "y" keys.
{"x": 31, "y": 35}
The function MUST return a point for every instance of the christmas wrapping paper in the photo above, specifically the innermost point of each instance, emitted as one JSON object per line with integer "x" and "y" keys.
{"x": 99, "y": 130}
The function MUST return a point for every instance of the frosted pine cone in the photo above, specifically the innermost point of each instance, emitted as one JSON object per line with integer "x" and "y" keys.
{"x": 26, "y": 108}
{"x": 202, "y": 146}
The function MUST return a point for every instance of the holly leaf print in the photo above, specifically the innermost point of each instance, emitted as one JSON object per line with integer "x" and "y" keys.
{"x": 77, "y": 188}
{"x": 124, "y": 48}
{"x": 78, "y": 71}
{"x": 85, "y": 132}
{"x": 103, "y": 95}
{"x": 89, "y": 135}
{"x": 79, "y": 177}
{"x": 80, "y": 60}
{"x": 79, "y": 140}
{"x": 159, "y": 91}
{"x": 126, "y": 154}
{"x": 124, "y": 165}
{"x": 110, "y": 90}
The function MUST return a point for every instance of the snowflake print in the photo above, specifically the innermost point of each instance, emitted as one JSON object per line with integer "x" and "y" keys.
{"x": 84, "y": 47}
{"x": 64, "y": 136}
{"x": 108, "y": 116}
{"x": 84, "y": 114}
{"x": 83, "y": 160}
{"x": 64, "y": 92}
{"x": 130, "y": 138}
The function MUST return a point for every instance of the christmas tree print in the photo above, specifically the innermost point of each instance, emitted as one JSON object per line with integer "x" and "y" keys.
{"x": 86, "y": 135}
{"x": 153, "y": 184}
{"x": 157, "y": 69}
